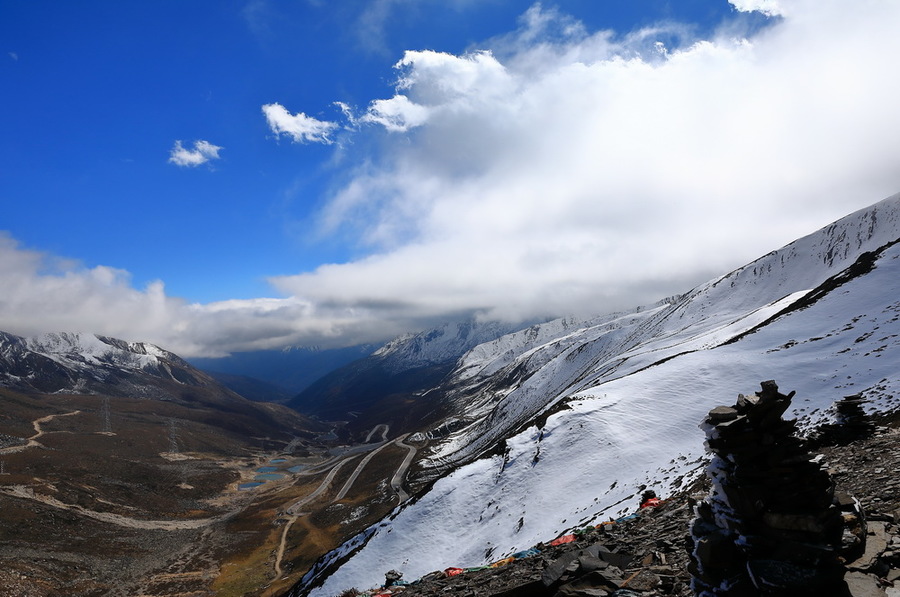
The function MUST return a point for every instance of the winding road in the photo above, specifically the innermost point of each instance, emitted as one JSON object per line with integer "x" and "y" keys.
{"x": 397, "y": 479}
{"x": 396, "y": 485}
{"x": 32, "y": 442}
{"x": 20, "y": 491}
{"x": 292, "y": 510}
{"x": 333, "y": 466}
{"x": 384, "y": 431}
{"x": 362, "y": 464}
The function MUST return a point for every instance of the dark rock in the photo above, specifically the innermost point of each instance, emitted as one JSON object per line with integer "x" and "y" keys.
{"x": 528, "y": 588}
{"x": 599, "y": 580}
{"x": 617, "y": 559}
{"x": 574, "y": 591}
{"x": 588, "y": 563}
{"x": 722, "y": 413}
{"x": 391, "y": 577}
{"x": 643, "y": 580}
{"x": 558, "y": 567}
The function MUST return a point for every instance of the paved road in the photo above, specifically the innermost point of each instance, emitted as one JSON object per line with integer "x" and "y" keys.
{"x": 384, "y": 431}
{"x": 397, "y": 480}
{"x": 359, "y": 468}
{"x": 396, "y": 485}
{"x": 326, "y": 482}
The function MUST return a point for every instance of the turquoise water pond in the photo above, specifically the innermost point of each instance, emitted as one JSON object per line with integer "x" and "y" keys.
{"x": 246, "y": 486}
{"x": 268, "y": 477}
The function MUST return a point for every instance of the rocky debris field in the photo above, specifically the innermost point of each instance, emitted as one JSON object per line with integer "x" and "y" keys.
{"x": 646, "y": 555}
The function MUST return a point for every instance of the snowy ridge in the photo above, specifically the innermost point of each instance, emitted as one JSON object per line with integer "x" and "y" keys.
{"x": 631, "y": 390}
{"x": 440, "y": 345}
{"x": 79, "y": 348}
{"x": 501, "y": 398}
{"x": 74, "y": 362}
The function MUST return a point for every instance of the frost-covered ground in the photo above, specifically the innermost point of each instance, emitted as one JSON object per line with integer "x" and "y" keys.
{"x": 636, "y": 392}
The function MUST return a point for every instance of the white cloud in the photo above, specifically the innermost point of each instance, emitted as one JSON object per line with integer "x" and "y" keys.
{"x": 43, "y": 293}
{"x": 203, "y": 152}
{"x": 397, "y": 114}
{"x": 299, "y": 127}
{"x": 564, "y": 171}
{"x": 768, "y": 7}
{"x": 570, "y": 171}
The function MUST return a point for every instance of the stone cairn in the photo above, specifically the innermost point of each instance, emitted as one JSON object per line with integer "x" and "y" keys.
{"x": 770, "y": 525}
{"x": 851, "y": 422}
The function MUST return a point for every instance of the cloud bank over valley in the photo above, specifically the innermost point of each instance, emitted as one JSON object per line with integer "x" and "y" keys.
{"x": 552, "y": 170}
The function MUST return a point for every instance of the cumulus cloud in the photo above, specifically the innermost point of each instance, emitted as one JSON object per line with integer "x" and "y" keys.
{"x": 577, "y": 171}
{"x": 768, "y": 7}
{"x": 203, "y": 152}
{"x": 42, "y": 292}
{"x": 557, "y": 171}
{"x": 299, "y": 127}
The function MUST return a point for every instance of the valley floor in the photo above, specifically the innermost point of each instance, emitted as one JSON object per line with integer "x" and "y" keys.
{"x": 87, "y": 513}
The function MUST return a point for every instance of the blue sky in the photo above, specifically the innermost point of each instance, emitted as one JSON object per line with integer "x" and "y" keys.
{"x": 99, "y": 92}
{"x": 217, "y": 176}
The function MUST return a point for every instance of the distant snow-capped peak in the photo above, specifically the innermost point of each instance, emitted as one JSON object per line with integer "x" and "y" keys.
{"x": 89, "y": 348}
{"x": 442, "y": 344}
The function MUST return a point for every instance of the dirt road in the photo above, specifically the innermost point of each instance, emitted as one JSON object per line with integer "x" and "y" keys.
{"x": 20, "y": 491}
{"x": 32, "y": 442}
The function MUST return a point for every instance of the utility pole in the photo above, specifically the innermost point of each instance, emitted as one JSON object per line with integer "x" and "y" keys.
{"x": 173, "y": 437}
{"x": 107, "y": 424}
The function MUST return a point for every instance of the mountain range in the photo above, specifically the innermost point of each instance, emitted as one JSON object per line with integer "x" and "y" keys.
{"x": 87, "y": 364}
{"x": 283, "y": 373}
{"x": 565, "y": 423}
{"x": 390, "y": 384}
{"x": 514, "y": 434}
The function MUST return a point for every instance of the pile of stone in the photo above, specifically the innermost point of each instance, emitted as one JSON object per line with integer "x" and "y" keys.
{"x": 770, "y": 525}
{"x": 851, "y": 423}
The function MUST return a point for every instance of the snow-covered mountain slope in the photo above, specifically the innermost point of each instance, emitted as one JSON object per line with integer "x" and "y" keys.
{"x": 379, "y": 385}
{"x": 503, "y": 384}
{"x": 587, "y": 414}
{"x": 86, "y": 363}
{"x": 439, "y": 345}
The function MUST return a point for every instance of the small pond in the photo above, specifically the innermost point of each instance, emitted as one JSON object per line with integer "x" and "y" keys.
{"x": 268, "y": 477}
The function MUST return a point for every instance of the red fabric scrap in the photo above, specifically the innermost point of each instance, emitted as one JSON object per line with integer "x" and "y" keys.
{"x": 563, "y": 540}
{"x": 453, "y": 571}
